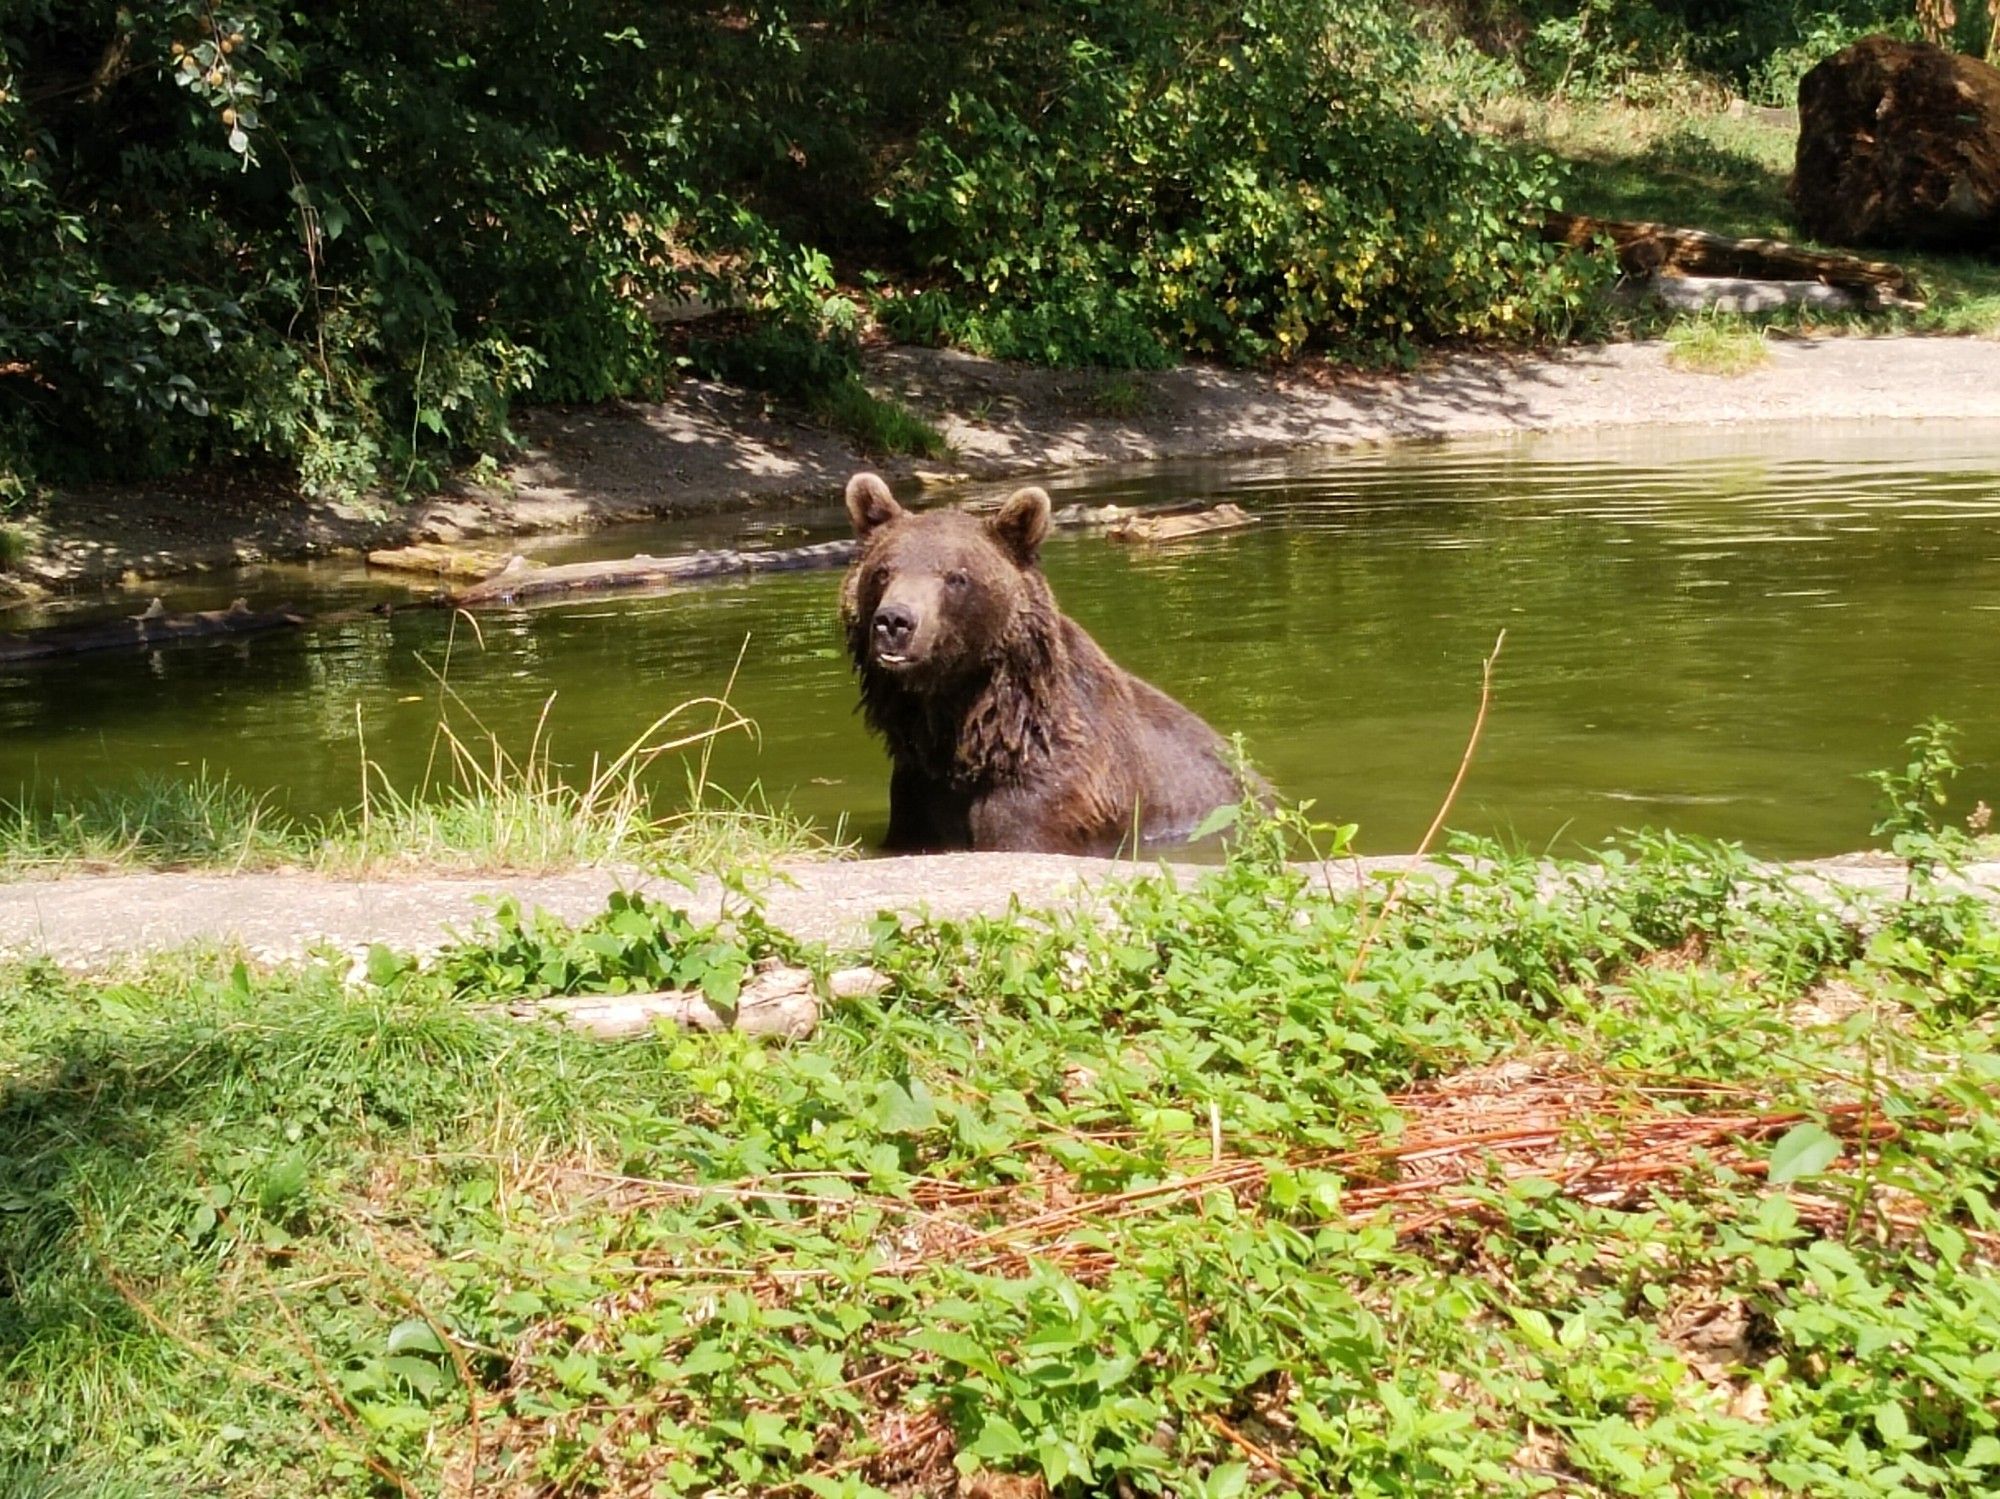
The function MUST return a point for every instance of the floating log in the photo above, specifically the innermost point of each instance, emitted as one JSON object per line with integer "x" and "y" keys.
{"x": 1087, "y": 517}
{"x": 1650, "y": 249}
{"x": 522, "y": 580}
{"x": 776, "y": 1000}
{"x": 435, "y": 561}
{"x": 1151, "y": 528}
{"x": 154, "y": 627}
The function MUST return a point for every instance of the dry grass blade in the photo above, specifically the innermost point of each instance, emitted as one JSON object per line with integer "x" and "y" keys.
{"x": 1382, "y": 912}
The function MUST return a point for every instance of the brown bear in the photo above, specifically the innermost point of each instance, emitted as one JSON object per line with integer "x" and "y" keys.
{"x": 1007, "y": 726}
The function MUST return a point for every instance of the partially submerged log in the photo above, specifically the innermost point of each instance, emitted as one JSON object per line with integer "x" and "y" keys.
{"x": 1646, "y": 249}
{"x": 1223, "y": 517}
{"x": 1088, "y": 517}
{"x": 776, "y": 1000}
{"x": 154, "y": 627}
{"x": 522, "y": 580}
{"x": 1899, "y": 144}
{"x": 430, "y": 560}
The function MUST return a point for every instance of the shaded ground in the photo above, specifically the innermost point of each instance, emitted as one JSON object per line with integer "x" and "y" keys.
{"x": 91, "y": 919}
{"x": 715, "y": 448}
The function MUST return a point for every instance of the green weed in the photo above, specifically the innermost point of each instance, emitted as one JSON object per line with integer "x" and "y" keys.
{"x": 1119, "y": 398}
{"x": 161, "y": 822}
{"x": 1641, "y": 1174}
{"x": 1717, "y": 344}
{"x": 478, "y": 807}
{"x": 877, "y": 424}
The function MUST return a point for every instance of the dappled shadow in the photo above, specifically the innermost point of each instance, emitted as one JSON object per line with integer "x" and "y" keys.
{"x": 713, "y": 447}
{"x": 716, "y": 450}
{"x": 87, "y": 1129}
{"x": 710, "y": 446}
{"x": 1009, "y": 419}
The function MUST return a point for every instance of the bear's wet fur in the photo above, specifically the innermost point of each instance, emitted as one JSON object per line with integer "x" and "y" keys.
{"x": 1007, "y": 725}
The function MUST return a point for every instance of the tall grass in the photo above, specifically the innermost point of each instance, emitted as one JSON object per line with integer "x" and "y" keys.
{"x": 207, "y": 820}
{"x": 477, "y": 806}
{"x": 1717, "y": 344}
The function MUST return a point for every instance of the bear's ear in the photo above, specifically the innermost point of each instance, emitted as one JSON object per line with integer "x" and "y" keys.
{"x": 869, "y": 504}
{"x": 1022, "y": 524}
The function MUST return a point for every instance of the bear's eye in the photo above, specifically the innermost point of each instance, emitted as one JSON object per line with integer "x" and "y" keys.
{"x": 956, "y": 580}
{"x": 879, "y": 574}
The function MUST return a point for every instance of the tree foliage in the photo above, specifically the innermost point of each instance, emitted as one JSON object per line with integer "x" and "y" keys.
{"x": 1627, "y": 48}
{"x": 345, "y": 239}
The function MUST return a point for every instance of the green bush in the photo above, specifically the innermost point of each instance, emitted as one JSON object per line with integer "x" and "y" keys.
{"x": 345, "y": 241}
{"x": 1236, "y": 181}
{"x": 348, "y": 241}
{"x": 1640, "y": 50}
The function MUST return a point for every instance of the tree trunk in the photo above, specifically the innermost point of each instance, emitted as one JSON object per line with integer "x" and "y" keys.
{"x": 1654, "y": 249}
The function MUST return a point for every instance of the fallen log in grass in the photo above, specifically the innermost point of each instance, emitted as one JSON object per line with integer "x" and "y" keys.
{"x": 1738, "y": 295}
{"x": 1646, "y": 249}
{"x": 776, "y": 1000}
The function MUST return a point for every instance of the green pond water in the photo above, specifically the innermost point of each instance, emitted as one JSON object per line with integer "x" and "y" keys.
{"x": 1715, "y": 632}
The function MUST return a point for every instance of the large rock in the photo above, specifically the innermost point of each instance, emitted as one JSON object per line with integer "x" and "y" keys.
{"x": 1899, "y": 144}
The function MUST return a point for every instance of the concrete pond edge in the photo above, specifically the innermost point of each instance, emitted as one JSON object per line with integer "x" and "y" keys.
{"x": 93, "y": 922}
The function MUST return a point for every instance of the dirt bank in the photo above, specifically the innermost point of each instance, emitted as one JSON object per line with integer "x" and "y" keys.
{"x": 716, "y": 448}
{"x": 88, "y": 921}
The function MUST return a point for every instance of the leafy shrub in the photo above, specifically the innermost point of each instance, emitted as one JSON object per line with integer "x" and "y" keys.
{"x": 1643, "y": 50}
{"x": 1773, "y": 77}
{"x": 1234, "y": 181}
{"x": 345, "y": 241}
{"x": 817, "y": 363}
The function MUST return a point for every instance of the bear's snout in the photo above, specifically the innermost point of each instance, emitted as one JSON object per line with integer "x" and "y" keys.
{"x": 895, "y": 628}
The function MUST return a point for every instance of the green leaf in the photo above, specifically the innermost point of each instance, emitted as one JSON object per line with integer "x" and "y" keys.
{"x": 1894, "y": 1425}
{"x": 958, "y": 1348}
{"x": 284, "y": 1180}
{"x": 998, "y": 1441}
{"x": 1805, "y": 1150}
{"x": 383, "y": 965}
{"x": 421, "y": 1376}
{"x": 1215, "y": 822}
{"x": 1535, "y": 1324}
{"x": 414, "y": 1334}
{"x": 904, "y": 1111}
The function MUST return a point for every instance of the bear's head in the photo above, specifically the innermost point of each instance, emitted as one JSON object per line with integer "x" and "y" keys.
{"x": 936, "y": 597}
